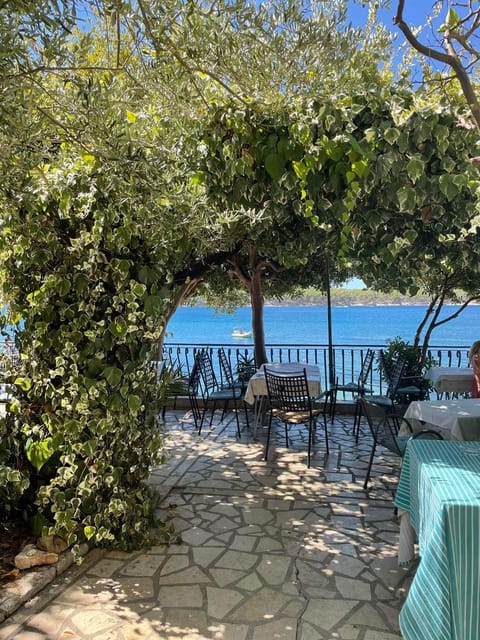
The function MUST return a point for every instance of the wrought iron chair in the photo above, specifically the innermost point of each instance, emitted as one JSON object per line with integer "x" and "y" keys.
{"x": 357, "y": 389}
{"x": 237, "y": 387}
{"x": 392, "y": 432}
{"x": 196, "y": 396}
{"x": 409, "y": 387}
{"x": 290, "y": 402}
{"x": 214, "y": 392}
{"x": 386, "y": 401}
{"x": 226, "y": 373}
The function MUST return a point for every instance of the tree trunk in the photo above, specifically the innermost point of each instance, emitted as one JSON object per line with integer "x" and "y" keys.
{"x": 256, "y": 301}
{"x": 183, "y": 292}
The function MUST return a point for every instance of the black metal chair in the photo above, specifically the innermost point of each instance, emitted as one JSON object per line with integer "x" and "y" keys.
{"x": 290, "y": 402}
{"x": 357, "y": 389}
{"x": 409, "y": 388}
{"x": 226, "y": 372}
{"x": 196, "y": 395}
{"x": 387, "y": 400}
{"x": 392, "y": 432}
{"x": 237, "y": 387}
{"x": 214, "y": 392}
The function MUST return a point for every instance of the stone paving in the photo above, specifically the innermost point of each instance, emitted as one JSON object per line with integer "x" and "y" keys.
{"x": 270, "y": 550}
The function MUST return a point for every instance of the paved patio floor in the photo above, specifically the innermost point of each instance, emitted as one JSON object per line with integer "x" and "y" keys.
{"x": 271, "y": 550}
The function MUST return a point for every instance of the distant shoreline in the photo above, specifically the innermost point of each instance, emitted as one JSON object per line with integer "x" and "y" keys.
{"x": 336, "y": 304}
{"x": 346, "y": 298}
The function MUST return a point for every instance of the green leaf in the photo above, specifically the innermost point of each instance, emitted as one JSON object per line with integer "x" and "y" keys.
{"x": 275, "y": 166}
{"x": 452, "y": 20}
{"x": 360, "y": 167}
{"x": 118, "y": 326}
{"x": 391, "y": 135}
{"x": 24, "y": 383}
{"x": 80, "y": 282}
{"x": 447, "y": 186}
{"x": 301, "y": 170}
{"x": 121, "y": 267}
{"x": 90, "y": 447}
{"x": 37, "y": 522}
{"x": 406, "y": 198}
{"x": 134, "y": 403}
{"x": 94, "y": 367}
{"x": 39, "y": 453}
{"x": 116, "y": 402}
{"x": 198, "y": 178}
{"x": 63, "y": 286}
{"x": 415, "y": 169}
{"x": 387, "y": 256}
{"x": 113, "y": 375}
{"x": 139, "y": 289}
{"x": 89, "y": 531}
{"x": 153, "y": 305}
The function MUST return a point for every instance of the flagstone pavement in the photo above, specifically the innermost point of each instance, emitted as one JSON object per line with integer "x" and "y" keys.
{"x": 270, "y": 550}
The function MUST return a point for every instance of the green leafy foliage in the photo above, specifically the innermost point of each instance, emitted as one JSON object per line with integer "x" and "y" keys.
{"x": 82, "y": 426}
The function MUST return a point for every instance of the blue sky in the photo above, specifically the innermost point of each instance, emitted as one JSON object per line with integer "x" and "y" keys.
{"x": 353, "y": 283}
{"x": 415, "y": 13}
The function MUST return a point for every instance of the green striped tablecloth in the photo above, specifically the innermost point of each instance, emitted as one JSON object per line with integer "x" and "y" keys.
{"x": 440, "y": 488}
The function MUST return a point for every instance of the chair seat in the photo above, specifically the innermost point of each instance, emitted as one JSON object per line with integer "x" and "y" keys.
{"x": 297, "y": 417}
{"x": 225, "y": 394}
{"x": 382, "y": 401}
{"x": 352, "y": 387}
{"x": 409, "y": 390}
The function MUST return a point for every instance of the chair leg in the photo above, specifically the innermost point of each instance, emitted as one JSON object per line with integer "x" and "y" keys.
{"x": 286, "y": 434}
{"x": 358, "y": 418}
{"x": 333, "y": 404}
{"x": 235, "y": 407}
{"x": 310, "y": 438}
{"x": 246, "y": 414}
{"x": 195, "y": 409}
{"x": 268, "y": 437}
{"x": 213, "y": 412}
{"x": 326, "y": 432}
{"x": 367, "y": 477}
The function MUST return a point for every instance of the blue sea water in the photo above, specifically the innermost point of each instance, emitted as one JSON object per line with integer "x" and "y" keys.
{"x": 294, "y": 325}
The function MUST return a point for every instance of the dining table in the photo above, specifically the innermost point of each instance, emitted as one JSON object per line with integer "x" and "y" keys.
{"x": 457, "y": 419}
{"x": 438, "y": 498}
{"x": 256, "y": 391}
{"x": 450, "y": 379}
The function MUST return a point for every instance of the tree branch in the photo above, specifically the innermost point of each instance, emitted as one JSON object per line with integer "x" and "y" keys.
{"x": 199, "y": 267}
{"x": 451, "y": 59}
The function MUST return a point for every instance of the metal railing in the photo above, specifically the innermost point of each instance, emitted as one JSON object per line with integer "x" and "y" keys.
{"x": 347, "y": 358}
{"x": 346, "y": 366}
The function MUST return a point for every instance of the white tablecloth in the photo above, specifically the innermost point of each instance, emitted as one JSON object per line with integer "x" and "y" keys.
{"x": 454, "y": 419}
{"x": 450, "y": 379}
{"x": 257, "y": 385}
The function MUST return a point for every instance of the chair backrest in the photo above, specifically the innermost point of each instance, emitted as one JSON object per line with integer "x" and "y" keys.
{"x": 396, "y": 378}
{"x": 385, "y": 365}
{"x": 225, "y": 367}
{"x": 366, "y": 367}
{"x": 384, "y": 430}
{"x": 209, "y": 378}
{"x": 289, "y": 391}
{"x": 194, "y": 379}
{"x": 426, "y": 434}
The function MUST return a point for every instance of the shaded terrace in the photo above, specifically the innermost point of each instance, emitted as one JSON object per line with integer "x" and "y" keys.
{"x": 270, "y": 550}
